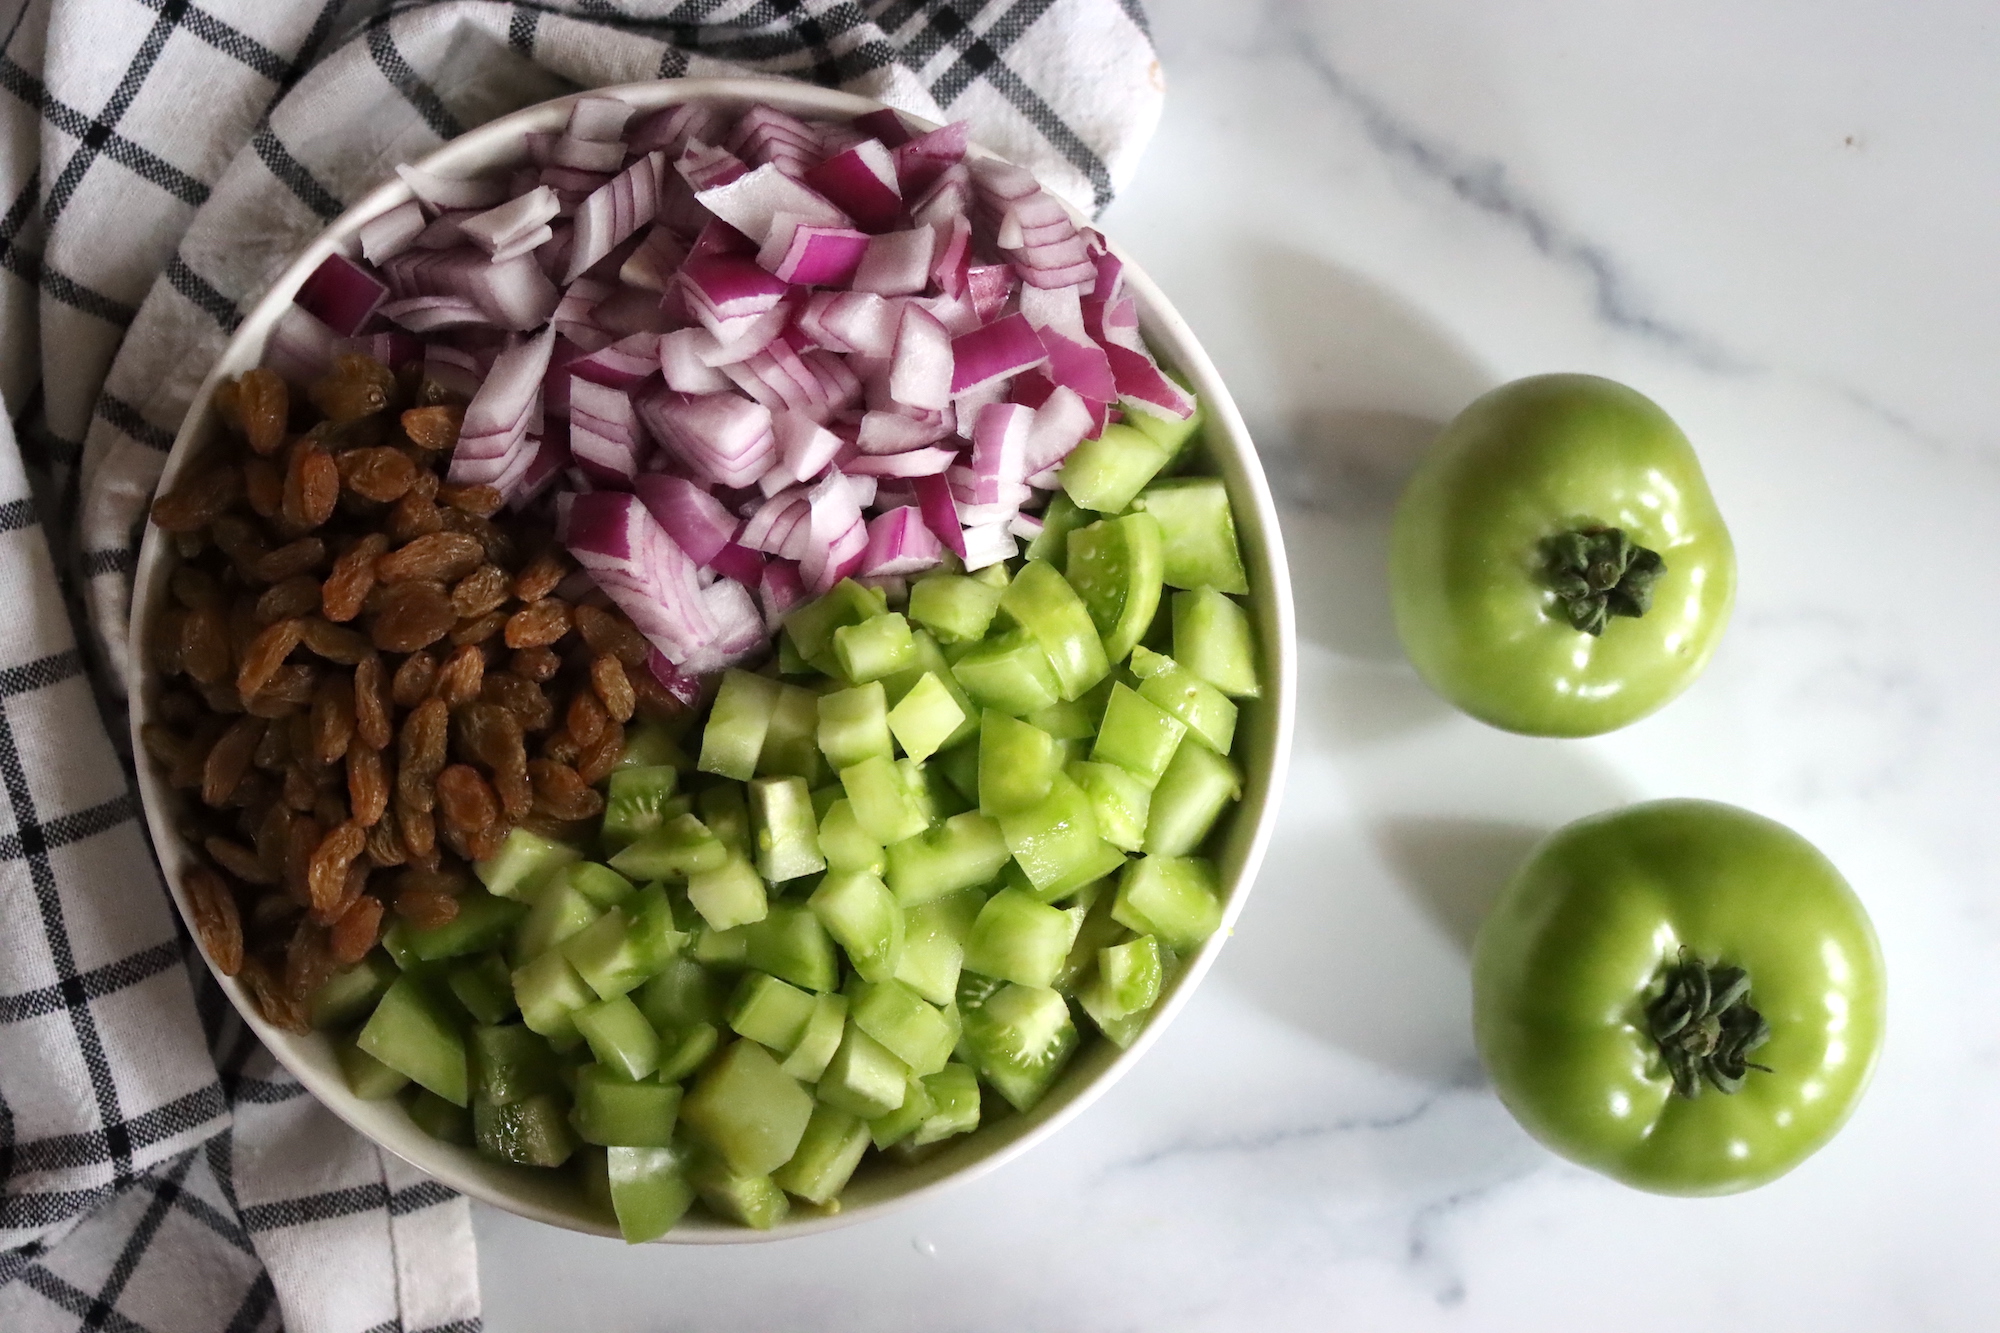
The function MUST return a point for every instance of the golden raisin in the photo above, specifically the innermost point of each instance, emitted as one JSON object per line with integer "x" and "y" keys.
{"x": 204, "y": 649}
{"x": 266, "y": 653}
{"x": 560, "y": 792}
{"x": 483, "y": 590}
{"x": 326, "y": 874}
{"x": 238, "y": 860}
{"x": 198, "y": 501}
{"x": 359, "y": 386}
{"x": 371, "y": 704}
{"x": 353, "y": 578}
{"x": 536, "y": 664}
{"x": 412, "y": 616}
{"x": 598, "y": 760}
{"x": 539, "y": 577}
{"x": 333, "y": 719}
{"x": 414, "y": 680}
{"x": 614, "y": 689}
{"x": 263, "y": 402}
{"x": 367, "y": 783}
{"x": 380, "y": 474}
{"x": 465, "y": 800}
{"x": 312, "y": 486}
{"x": 444, "y": 556}
{"x": 585, "y": 719}
{"x": 480, "y": 501}
{"x": 213, "y": 914}
{"x": 297, "y": 596}
{"x": 538, "y": 624}
{"x": 229, "y": 760}
{"x": 606, "y": 632}
{"x": 434, "y": 428}
{"x": 461, "y": 676}
{"x": 357, "y": 930}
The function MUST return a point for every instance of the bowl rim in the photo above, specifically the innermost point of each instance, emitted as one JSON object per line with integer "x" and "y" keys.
{"x": 530, "y": 1194}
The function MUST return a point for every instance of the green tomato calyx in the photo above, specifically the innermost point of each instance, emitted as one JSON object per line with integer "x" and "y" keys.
{"x": 1599, "y": 572}
{"x": 1705, "y": 1026}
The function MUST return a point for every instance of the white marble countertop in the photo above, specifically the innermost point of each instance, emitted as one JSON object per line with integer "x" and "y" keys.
{"x": 1778, "y": 220}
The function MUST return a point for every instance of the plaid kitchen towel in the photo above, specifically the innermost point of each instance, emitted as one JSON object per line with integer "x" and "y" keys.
{"x": 160, "y": 160}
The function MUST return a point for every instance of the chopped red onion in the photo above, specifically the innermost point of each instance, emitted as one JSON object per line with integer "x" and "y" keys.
{"x": 921, "y": 375}
{"x": 501, "y": 226}
{"x": 750, "y": 202}
{"x": 635, "y": 562}
{"x": 439, "y": 192}
{"x": 1143, "y": 387}
{"x": 652, "y": 265}
{"x": 861, "y": 182}
{"x": 921, "y": 160}
{"x": 780, "y": 588}
{"x": 996, "y": 351}
{"x": 989, "y": 544}
{"x": 720, "y": 437}
{"x": 897, "y": 263}
{"x": 614, "y": 211}
{"x": 900, "y": 543}
{"x": 341, "y": 294}
{"x": 810, "y": 254}
{"x": 598, "y": 119}
{"x": 389, "y": 234}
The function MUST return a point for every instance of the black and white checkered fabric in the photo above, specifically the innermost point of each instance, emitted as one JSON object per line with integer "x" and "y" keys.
{"x": 160, "y": 161}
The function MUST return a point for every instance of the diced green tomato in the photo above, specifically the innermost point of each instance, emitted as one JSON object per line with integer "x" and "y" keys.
{"x": 786, "y": 836}
{"x": 816, "y": 1045}
{"x": 1105, "y": 474}
{"x": 769, "y": 1012}
{"x": 1119, "y": 800}
{"x": 904, "y": 1022}
{"x": 882, "y": 801}
{"x": 1041, "y": 601}
{"x": 550, "y": 992}
{"x": 413, "y": 1033}
{"x": 737, "y": 722}
{"x": 724, "y": 810}
{"x": 649, "y": 1191}
{"x": 1175, "y": 898}
{"x": 1019, "y": 1037}
{"x": 845, "y": 844}
{"x": 1098, "y": 930}
{"x": 1207, "y": 711}
{"x": 954, "y": 1094}
{"x": 854, "y": 725}
{"x": 653, "y": 744}
{"x": 1129, "y": 975}
{"x": 828, "y": 1153}
{"x": 682, "y": 995}
{"x": 620, "y": 1112}
{"x": 931, "y": 660}
{"x": 440, "y": 1119}
{"x": 636, "y": 803}
{"x": 755, "y": 1201}
{"x": 1067, "y": 721}
{"x": 811, "y": 627}
{"x": 1095, "y": 1001}
{"x": 1017, "y": 763}
{"x": 719, "y": 948}
{"x": 748, "y": 1109}
{"x": 927, "y": 717}
{"x": 1056, "y": 842}
{"x": 531, "y": 1132}
{"x": 484, "y": 986}
{"x": 689, "y": 1053}
{"x": 1018, "y": 939}
{"x": 1011, "y": 674}
{"x": 616, "y": 953}
{"x": 511, "y": 1064}
{"x": 1196, "y": 788}
{"x": 601, "y": 884}
{"x": 681, "y": 847}
{"x": 877, "y": 647}
{"x": 790, "y": 745}
{"x": 919, "y": 788}
{"x": 523, "y": 864}
{"x": 934, "y": 937}
{"x": 730, "y": 896}
{"x": 965, "y": 851}
{"x": 352, "y": 993}
{"x": 1199, "y": 532}
{"x": 791, "y": 943}
{"x": 861, "y": 914}
{"x": 1059, "y": 519}
{"x": 864, "y": 1077}
{"x": 620, "y": 1036}
{"x": 368, "y": 1078}
{"x": 1139, "y": 736}
{"x": 902, "y": 1122}
{"x": 559, "y": 911}
{"x": 952, "y": 606}
{"x": 1213, "y": 639}
{"x": 1115, "y": 565}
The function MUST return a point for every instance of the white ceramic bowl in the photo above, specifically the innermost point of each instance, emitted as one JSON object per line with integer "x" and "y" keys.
{"x": 1264, "y": 730}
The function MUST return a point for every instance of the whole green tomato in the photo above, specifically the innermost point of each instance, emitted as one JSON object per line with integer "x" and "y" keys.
{"x": 1682, "y": 995}
{"x": 1558, "y": 566}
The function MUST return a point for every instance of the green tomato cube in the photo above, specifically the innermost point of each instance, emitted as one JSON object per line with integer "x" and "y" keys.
{"x": 1010, "y": 673}
{"x": 882, "y": 801}
{"x": 1199, "y": 531}
{"x": 523, "y": 864}
{"x": 353, "y": 993}
{"x": 1197, "y": 787}
{"x": 791, "y": 943}
{"x": 1041, "y": 601}
{"x": 748, "y": 1109}
{"x": 412, "y": 1033}
{"x": 934, "y": 936}
{"x": 511, "y": 1064}
{"x": 811, "y": 627}
{"x": 532, "y": 1132}
{"x": 909, "y": 1027}
{"x": 769, "y": 1012}
{"x": 781, "y": 821}
{"x": 863, "y": 917}
{"x": 1017, "y": 764}
{"x": 602, "y": 885}
{"x": 1116, "y": 567}
{"x": 926, "y": 717}
{"x": 440, "y": 1119}
{"x": 737, "y": 722}
{"x": 952, "y": 606}
{"x": 816, "y": 1045}
{"x": 828, "y": 1153}
{"x": 683, "y": 994}
{"x": 1138, "y": 736}
{"x": 730, "y": 896}
{"x": 877, "y": 647}
{"x": 727, "y": 814}
{"x": 1106, "y": 473}
{"x": 680, "y": 847}
{"x": 902, "y": 1122}
{"x": 1175, "y": 434}
{"x": 368, "y": 1078}
{"x": 845, "y": 844}
{"x": 864, "y": 1078}
{"x": 954, "y": 1096}
{"x": 1213, "y": 638}
{"x": 1175, "y": 898}
{"x": 854, "y": 725}
{"x": 649, "y": 1191}
{"x": 791, "y": 746}
{"x": 484, "y": 986}
{"x": 1059, "y": 519}
{"x": 550, "y": 992}
{"x": 689, "y": 1052}
{"x": 620, "y": 1036}
{"x": 1207, "y": 711}
{"x": 964, "y": 851}
{"x": 616, "y": 1111}
{"x": 638, "y": 801}
{"x": 1018, "y": 939}
{"x": 754, "y": 1201}
{"x": 559, "y": 911}
{"x": 1019, "y": 1037}
{"x": 1129, "y": 976}
{"x": 483, "y": 922}
{"x": 1119, "y": 800}
{"x": 1056, "y": 843}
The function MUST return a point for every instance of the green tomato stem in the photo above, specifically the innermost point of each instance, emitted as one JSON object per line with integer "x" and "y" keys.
{"x": 1705, "y": 1026}
{"x": 1597, "y": 573}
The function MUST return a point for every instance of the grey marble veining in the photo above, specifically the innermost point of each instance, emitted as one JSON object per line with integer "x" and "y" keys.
{"x": 1776, "y": 220}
